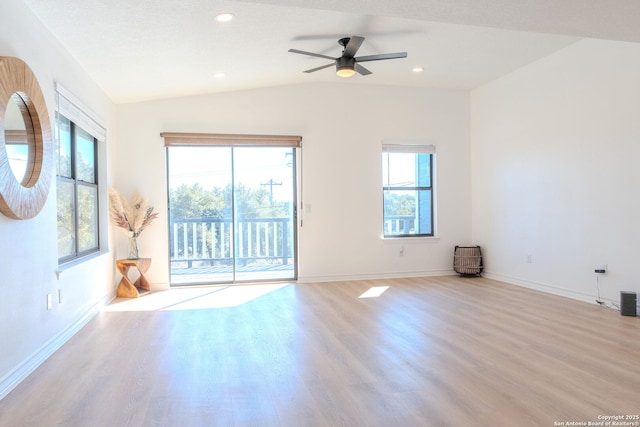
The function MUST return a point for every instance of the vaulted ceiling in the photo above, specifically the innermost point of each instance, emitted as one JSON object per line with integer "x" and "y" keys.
{"x": 150, "y": 49}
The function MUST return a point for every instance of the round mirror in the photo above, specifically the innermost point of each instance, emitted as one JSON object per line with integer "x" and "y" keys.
{"x": 16, "y": 136}
{"x": 26, "y": 147}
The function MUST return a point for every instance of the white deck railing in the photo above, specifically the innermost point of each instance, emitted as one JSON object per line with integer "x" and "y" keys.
{"x": 211, "y": 240}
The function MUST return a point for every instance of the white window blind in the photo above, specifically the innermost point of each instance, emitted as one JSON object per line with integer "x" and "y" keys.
{"x": 72, "y": 108}
{"x": 409, "y": 148}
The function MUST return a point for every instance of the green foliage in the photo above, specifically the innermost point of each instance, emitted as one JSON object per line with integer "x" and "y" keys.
{"x": 197, "y": 202}
{"x": 399, "y": 204}
{"x": 85, "y": 170}
{"x": 87, "y": 218}
{"x": 66, "y": 227}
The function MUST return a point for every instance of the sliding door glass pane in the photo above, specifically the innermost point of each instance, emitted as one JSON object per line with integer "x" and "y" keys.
{"x": 200, "y": 216}
{"x": 263, "y": 201}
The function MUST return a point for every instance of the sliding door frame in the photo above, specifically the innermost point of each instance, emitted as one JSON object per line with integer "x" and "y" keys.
{"x": 173, "y": 139}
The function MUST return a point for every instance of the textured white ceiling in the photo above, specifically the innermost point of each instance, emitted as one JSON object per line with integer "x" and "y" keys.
{"x": 610, "y": 19}
{"x": 150, "y": 49}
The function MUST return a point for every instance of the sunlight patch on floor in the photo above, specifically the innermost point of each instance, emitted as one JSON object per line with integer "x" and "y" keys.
{"x": 195, "y": 298}
{"x": 374, "y": 292}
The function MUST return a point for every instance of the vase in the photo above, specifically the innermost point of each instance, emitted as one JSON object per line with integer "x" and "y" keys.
{"x": 133, "y": 248}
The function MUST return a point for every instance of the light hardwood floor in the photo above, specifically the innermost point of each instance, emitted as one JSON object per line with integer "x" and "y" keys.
{"x": 443, "y": 351}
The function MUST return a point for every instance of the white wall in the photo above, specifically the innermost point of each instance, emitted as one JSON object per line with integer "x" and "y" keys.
{"x": 555, "y": 149}
{"x": 342, "y": 128}
{"x": 28, "y": 249}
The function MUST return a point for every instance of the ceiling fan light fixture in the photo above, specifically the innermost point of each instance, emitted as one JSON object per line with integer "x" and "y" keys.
{"x": 345, "y": 67}
{"x": 345, "y": 72}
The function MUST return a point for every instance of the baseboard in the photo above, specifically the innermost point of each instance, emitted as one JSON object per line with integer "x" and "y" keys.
{"x": 546, "y": 288}
{"x": 11, "y": 380}
{"x": 374, "y": 276}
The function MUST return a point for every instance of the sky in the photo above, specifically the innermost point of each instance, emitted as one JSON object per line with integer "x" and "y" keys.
{"x": 255, "y": 167}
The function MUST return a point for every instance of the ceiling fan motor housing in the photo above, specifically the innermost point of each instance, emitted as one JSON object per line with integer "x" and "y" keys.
{"x": 345, "y": 62}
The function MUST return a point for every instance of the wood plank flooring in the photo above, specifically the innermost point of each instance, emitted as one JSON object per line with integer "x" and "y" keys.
{"x": 443, "y": 351}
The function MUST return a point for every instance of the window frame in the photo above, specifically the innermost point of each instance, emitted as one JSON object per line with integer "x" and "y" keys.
{"x": 415, "y": 149}
{"x": 78, "y": 183}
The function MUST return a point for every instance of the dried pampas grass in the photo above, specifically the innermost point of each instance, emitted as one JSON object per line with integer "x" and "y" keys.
{"x": 133, "y": 216}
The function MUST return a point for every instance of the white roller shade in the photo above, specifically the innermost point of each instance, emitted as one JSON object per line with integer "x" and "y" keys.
{"x": 70, "y": 106}
{"x": 391, "y": 147}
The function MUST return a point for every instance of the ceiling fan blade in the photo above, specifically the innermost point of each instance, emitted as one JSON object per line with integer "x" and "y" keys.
{"x": 352, "y": 47}
{"x": 382, "y": 56}
{"x": 360, "y": 69}
{"x": 302, "y": 52}
{"x": 320, "y": 68}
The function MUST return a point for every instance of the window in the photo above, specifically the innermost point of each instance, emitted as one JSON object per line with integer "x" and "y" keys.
{"x": 407, "y": 189}
{"x": 77, "y": 192}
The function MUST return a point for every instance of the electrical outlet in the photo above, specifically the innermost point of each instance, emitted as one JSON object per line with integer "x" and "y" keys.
{"x": 401, "y": 250}
{"x": 49, "y": 301}
{"x": 529, "y": 259}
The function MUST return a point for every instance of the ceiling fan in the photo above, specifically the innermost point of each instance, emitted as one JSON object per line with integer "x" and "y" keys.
{"x": 348, "y": 64}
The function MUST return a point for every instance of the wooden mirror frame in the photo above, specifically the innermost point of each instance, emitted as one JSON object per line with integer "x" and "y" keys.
{"x": 25, "y": 199}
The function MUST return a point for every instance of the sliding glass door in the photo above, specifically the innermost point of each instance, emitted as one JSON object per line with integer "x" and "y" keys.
{"x": 231, "y": 214}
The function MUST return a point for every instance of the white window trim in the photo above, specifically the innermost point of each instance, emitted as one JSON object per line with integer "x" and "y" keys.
{"x": 416, "y": 146}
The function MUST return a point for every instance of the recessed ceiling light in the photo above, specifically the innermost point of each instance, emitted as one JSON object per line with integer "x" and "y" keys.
{"x": 219, "y": 75}
{"x": 417, "y": 69}
{"x": 224, "y": 17}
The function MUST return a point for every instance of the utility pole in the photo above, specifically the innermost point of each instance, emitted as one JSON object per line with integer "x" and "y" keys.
{"x": 270, "y": 183}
